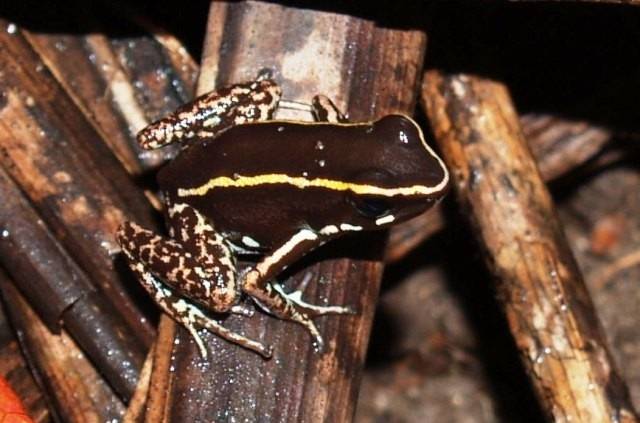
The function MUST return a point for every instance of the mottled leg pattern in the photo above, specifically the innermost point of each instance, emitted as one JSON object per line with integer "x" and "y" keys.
{"x": 189, "y": 315}
{"x": 216, "y": 262}
{"x": 156, "y": 259}
{"x": 178, "y": 267}
{"x": 213, "y": 113}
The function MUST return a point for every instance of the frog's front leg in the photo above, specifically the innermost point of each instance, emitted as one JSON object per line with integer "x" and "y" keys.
{"x": 200, "y": 269}
{"x": 324, "y": 110}
{"x": 272, "y": 298}
{"x": 214, "y": 112}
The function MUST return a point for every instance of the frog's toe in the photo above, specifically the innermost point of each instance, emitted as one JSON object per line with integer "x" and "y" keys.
{"x": 243, "y": 310}
{"x": 318, "y": 342}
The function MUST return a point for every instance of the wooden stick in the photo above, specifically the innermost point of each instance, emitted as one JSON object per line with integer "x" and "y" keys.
{"x": 136, "y": 409}
{"x": 75, "y": 388}
{"x": 368, "y": 71}
{"x": 62, "y": 293}
{"x": 119, "y": 87}
{"x": 116, "y": 88}
{"x": 560, "y": 145}
{"x": 547, "y": 304}
{"x": 73, "y": 180}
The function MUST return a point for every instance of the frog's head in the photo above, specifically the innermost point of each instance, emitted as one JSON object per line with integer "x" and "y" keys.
{"x": 403, "y": 177}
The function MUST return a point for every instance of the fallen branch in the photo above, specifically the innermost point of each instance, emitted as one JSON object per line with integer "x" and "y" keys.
{"x": 74, "y": 387}
{"x": 548, "y": 308}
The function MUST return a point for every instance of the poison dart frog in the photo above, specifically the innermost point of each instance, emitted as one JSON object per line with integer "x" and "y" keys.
{"x": 246, "y": 184}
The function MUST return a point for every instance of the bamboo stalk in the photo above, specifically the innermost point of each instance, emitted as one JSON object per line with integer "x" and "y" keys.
{"x": 541, "y": 288}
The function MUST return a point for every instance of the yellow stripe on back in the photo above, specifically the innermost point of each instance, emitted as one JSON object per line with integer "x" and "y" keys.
{"x": 301, "y": 182}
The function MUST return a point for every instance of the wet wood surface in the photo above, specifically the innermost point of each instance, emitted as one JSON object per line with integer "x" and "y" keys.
{"x": 548, "y": 308}
{"x": 77, "y": 186}
{"x": 62, "y": 293}
{"x": 369, "y": 71}
{"x": 120, "y": 85}
{"x": 77, "y": 391}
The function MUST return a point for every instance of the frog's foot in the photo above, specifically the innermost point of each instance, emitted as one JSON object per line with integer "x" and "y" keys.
{"x": 190, "y": 315}
{"x": 312, "y": 310}
{"x": 272, "y": 299}
{"x": 292, "y": 314}
{"x": 242, "y": 310}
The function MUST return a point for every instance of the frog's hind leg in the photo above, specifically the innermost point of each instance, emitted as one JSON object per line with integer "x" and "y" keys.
{"x": 214, "y": 112}
{"x": 169, "y": 272}
{"x": 189, "y": 315}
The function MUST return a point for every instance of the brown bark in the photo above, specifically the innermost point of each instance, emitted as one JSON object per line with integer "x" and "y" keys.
{"x": 560, "y": 146}
{"x": 74, "y": 387}
{"x": 61, "y": 292}
{"x": 120, "y": 86}
{"x": 368, "y": 71}
{"x": 73, "y": 180}
{"x": 541, "y": 288}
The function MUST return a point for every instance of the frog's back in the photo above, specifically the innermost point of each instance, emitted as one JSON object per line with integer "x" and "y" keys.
{"x": 258, "y": 154}
{"x": 291, "y": 148}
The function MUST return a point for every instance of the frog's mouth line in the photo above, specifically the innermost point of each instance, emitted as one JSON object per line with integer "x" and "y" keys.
{"x": 301, "y": 182}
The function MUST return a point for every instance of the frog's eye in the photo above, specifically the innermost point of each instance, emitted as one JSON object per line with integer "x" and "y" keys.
{"x": 371, "y": 207}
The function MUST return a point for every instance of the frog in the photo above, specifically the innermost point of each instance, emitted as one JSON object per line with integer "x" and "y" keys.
{"x": 248, "y": 186}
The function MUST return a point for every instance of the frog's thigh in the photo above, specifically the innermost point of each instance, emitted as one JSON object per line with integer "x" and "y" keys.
{"x": 177, "y": 267}
{"x": 198, "y": 236}
{"x": 324, "y": 110}
{"x": 189, "y": 315}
